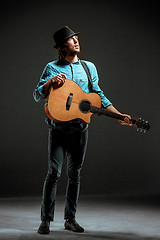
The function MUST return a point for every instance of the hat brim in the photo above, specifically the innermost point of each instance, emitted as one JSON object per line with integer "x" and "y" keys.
{"x": 74, "y": 34}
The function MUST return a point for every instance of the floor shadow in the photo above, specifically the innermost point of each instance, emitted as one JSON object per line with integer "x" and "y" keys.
{"x": 118, "y": 236}
{"x": 87, "y": 235}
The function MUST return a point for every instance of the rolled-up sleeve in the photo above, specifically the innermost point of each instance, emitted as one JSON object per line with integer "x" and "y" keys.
{"x": 104, "y": 100}
{"x": 48, "y": 72}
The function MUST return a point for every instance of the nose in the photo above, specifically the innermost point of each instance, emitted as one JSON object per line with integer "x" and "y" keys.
{"x": 75, "y": 39}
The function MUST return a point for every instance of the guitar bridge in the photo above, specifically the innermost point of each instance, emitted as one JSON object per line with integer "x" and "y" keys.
{"x": 69, "y": 101}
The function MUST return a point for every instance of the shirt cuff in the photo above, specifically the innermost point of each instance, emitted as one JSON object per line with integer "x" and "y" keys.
{"x": 104, "y": 105}
{"x": 41, "y": 93}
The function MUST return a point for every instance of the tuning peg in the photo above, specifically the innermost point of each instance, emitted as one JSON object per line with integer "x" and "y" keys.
{"x": 146, "y": 122}
{"x": 141, "y": 130}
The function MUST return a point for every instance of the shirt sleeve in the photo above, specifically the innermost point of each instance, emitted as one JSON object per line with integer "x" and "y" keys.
{"x": 47, "y": 73}
{"x": 104, "y": 100}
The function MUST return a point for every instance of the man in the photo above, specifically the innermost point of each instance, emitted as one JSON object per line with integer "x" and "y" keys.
{"x": 68, "y": 137}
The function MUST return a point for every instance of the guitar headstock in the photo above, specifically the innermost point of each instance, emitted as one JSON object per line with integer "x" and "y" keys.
{"x": 142, "y": 125}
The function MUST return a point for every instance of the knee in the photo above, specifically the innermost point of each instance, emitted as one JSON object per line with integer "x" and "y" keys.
{"x": 54, "y": 172}
{"x": 74, "y": 175}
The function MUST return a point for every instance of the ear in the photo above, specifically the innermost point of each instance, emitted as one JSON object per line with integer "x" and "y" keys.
{"x": 65, "y": 45}
{"x": 58, "y": 49}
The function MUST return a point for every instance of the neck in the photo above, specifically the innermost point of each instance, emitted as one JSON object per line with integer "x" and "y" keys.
{"x": 71, "y": 59}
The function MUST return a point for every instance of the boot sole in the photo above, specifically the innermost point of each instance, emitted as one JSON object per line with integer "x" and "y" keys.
{"x": 73, "y": 229}
{"x": 43, "y": 232}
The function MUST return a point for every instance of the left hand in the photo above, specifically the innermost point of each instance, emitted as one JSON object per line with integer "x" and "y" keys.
{"x": 126, "y": 120}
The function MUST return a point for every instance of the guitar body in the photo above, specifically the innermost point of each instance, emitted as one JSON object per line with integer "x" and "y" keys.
{"x": 63, "y": 103}
{"x": 69, "y": 102}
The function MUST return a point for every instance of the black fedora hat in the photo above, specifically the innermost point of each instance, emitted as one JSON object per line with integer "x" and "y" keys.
{"x": 61, "y": 35}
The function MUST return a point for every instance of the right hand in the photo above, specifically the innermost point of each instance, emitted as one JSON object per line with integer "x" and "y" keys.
{"x": 59, "y": 79}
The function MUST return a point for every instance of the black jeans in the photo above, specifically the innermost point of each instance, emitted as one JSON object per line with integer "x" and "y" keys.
{"x": 60, "y": 143}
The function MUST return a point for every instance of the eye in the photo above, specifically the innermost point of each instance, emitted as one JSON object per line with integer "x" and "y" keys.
{"x": 72, "y": 38}
{"x": 75, "y": 37}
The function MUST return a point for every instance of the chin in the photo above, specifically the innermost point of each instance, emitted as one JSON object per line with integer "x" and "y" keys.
{"x": 77, "y": 50}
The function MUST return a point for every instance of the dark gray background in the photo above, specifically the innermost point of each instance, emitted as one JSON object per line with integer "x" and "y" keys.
{"x": 122, "y": 39}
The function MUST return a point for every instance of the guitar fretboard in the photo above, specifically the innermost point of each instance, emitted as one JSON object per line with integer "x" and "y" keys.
{"x": 101, "y": 111}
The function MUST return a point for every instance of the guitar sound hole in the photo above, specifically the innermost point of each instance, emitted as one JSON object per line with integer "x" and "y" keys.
{"x": 85, "y": 106}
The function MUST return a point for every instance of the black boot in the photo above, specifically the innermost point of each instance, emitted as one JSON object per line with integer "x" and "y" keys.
{"x": 44, "y": 227}
{"x": 73, "y": 225}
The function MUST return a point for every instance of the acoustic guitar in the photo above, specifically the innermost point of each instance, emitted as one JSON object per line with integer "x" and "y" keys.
{"x": 69, "y": 102}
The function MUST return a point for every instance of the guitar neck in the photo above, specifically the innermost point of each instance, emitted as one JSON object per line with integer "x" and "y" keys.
{"x": 102, "y": 111}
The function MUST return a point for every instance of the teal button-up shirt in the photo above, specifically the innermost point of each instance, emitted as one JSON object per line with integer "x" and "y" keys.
{"x": 74, "y": 72}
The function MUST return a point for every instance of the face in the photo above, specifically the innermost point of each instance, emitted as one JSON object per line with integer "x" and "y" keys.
{"x": 73, "y": 46}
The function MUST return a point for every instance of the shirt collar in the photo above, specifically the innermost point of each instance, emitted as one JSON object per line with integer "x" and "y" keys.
{"x": 65, "y": 62}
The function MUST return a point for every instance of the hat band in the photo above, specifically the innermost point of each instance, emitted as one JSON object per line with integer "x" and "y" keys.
{"x": 64, "y": 40}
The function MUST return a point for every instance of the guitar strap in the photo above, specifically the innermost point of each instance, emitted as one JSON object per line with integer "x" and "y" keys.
{"x": 90, "y": 83}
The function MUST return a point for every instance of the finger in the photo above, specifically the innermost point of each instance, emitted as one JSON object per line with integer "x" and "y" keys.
{"x": 63, "y": 75}
{"x": 127, "y": 121}
{"x": 59, "y": 78}
{"x": 128, "y": 116}
{"x": 121, "y": 122}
